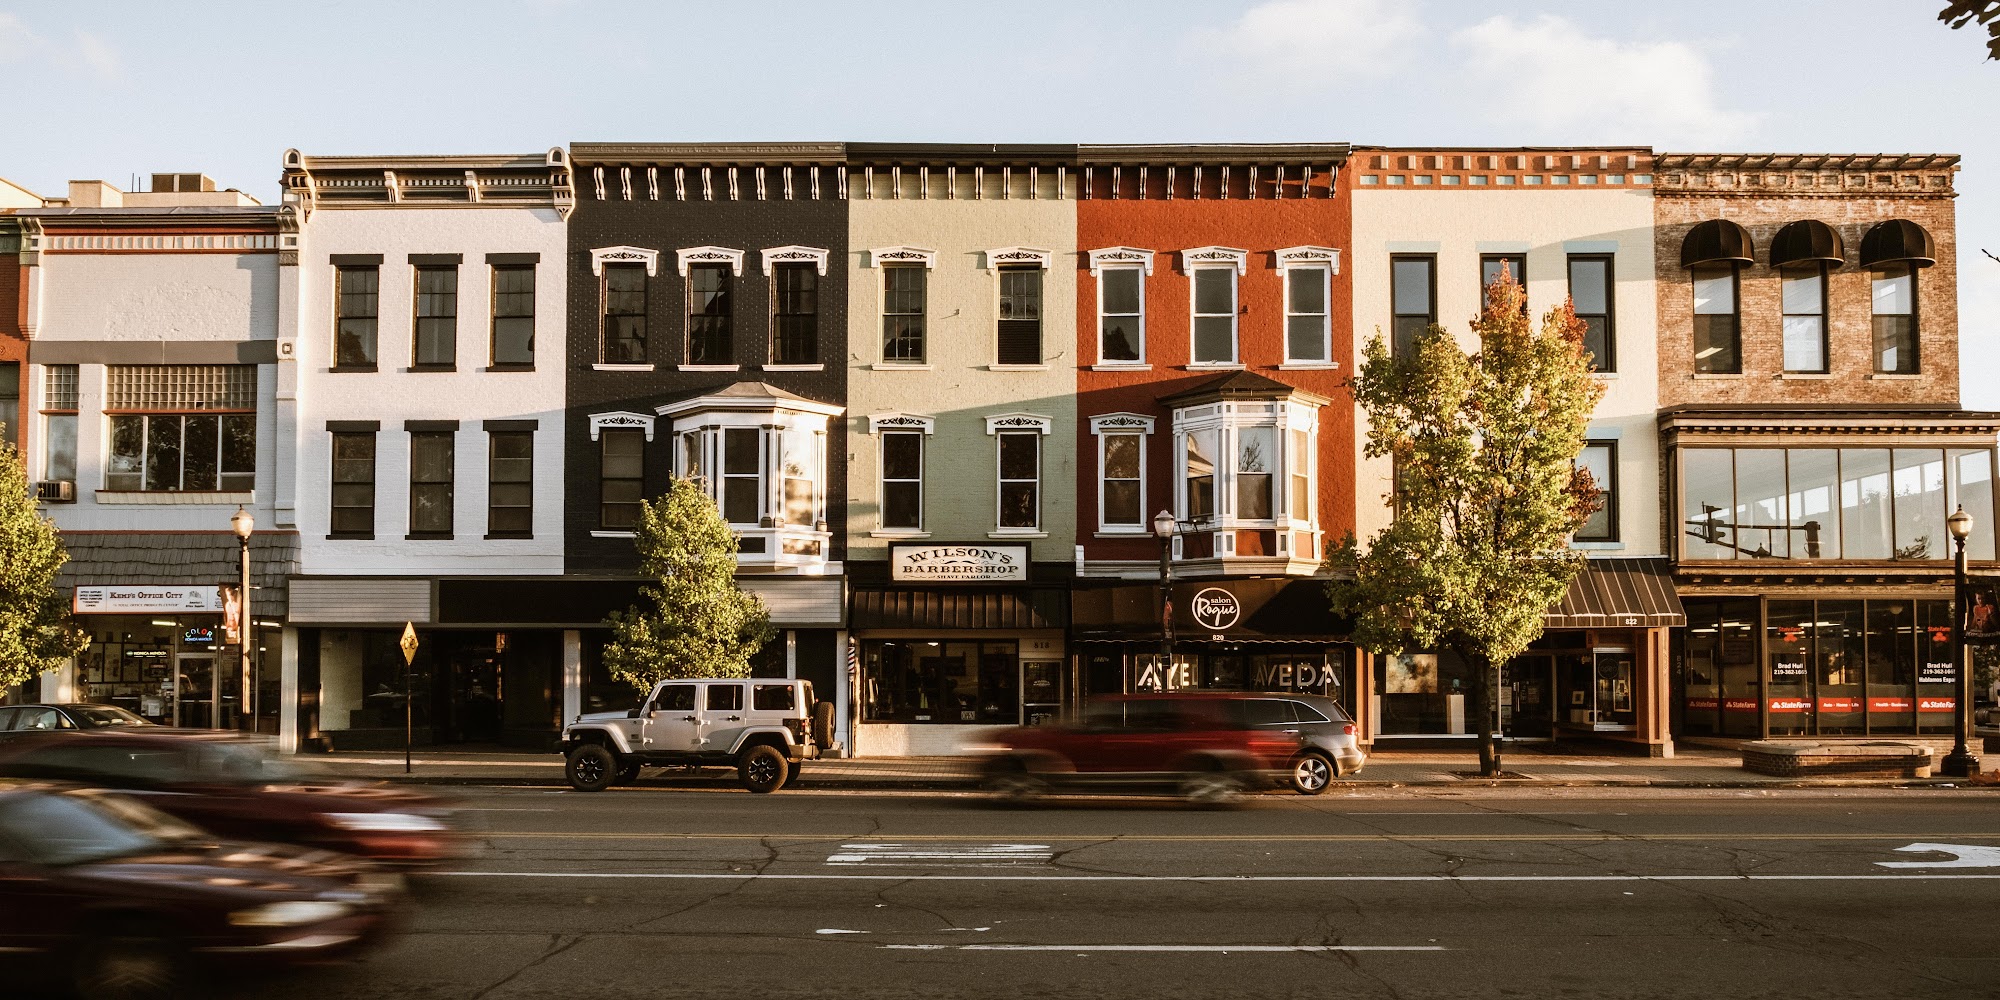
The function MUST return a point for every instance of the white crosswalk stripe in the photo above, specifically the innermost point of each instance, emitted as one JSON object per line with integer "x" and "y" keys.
{"x": 942, "y": 855}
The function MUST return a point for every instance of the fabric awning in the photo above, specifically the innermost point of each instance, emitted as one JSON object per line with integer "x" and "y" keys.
{"x": 959, "y": 608}
{"x": 1898, "y": 241}
{"x": 1718, "y": 241}
{"x": 1619, "y": 593}
{"x": 1807, "y": 241}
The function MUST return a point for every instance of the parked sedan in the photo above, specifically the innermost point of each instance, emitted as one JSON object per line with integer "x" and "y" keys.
{"x": 128, "y": 902}
{"x": 235, "y": 787}
{"x": 18, "y": 719}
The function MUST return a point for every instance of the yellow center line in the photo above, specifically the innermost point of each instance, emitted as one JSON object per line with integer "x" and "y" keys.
{"x": 1328, "y": 838}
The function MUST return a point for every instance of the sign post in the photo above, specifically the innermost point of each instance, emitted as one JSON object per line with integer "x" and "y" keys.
{"x": 409, "y": 645}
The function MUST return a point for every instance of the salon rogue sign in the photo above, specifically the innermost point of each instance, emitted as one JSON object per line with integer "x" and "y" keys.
{"x": 959, "y": 563}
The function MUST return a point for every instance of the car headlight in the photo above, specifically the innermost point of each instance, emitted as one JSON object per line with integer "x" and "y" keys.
{"x": 291, "y": 913}
{"x": 384, "y": 822}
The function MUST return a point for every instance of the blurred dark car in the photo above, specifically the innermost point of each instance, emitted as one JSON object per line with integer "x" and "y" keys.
{"x": 236, "y": 787}
{"x": 123, "y": 901}
{"x": 1205, "y": 747}
{"x": 18, "y": 719}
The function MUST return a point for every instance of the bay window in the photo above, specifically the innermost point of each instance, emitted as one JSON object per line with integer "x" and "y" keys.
{"x": 1245, "y": 471}
{"x": 762, "y": 457}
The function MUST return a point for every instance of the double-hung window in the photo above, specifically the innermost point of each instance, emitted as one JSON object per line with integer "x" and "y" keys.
{"x": 1413, "y": 301}
{"x": 1122, "y": 461}
{"x": 708, "y": 314}
{"x": 513, "y": 315}
{"x": 1020, "y": 480}
{"x": 1301, "y": 468}
{"x": 624, "y": 314}
{"x": 510, "y": 496}
{"x": 357, "y": 304}
{"x": 621, "y": 477}
{"x": 352, "y": 503}
{"x": 182, "y": 428}
{"x": 1200, "y": 500}
{"x": 1308, "y": 319}
{"x": 10, "y": 403}
{"x": 1020, "y": 326}
{"x": 436, "y": 342}
{"x": 742, "y": 475}
{"x": 1895, "y": 320}
{"x": 1256, "y": 463}
{"x": 59, "y": 409}
{"x": 1214, "y": 315}
{"x": 1513, "y": 265}
{"x": 795, "y": 314}
{"x": 1718, "y": 345}
{"x": 1600, "y": 459}
{"x": 1804, "y": 295}
{"x": 902, "y": 480}
{"x": 432, "y": 453}
{"x": 903, "y": 287}
{"x": 1590, "y": 295}
{"x": 1121, "y": 314}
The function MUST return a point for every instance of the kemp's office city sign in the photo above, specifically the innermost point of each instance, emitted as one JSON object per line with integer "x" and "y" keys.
{"x": 146, "y": 600}
{"x": 959, "y": 563}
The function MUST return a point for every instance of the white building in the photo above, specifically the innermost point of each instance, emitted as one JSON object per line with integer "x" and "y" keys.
{"x": 420, "y": 393}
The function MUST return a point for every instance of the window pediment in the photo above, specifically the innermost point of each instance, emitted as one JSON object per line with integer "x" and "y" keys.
{"x": 684, "y": 259}
{"x": 1240, "y": 259}
{"x": 1121, "y": 255}
{"x": 773, "y": 256}
{"x": 621, "y": 420}
{"x": 601, "y": 256}
{"x": 879, "y": 422}
{"x": 1020, "y": 422}
{"x": 902, "y": 255}
{"x": 1003, "y": 256}
{"x": 1103, "y": 422}
{"x": 1309, "y": 255}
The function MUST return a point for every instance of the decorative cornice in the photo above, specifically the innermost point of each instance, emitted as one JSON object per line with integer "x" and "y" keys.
{"x": 690, "y": 256}
{"x": 1121, "y": 422}
{"x": 1299, "y": 256}
{"x": 1120, "y": 255}
{"x": 879, "y": 422}
{"x": 997, "y": 258}
{"x": 793, "y": 254}
{"x": 620, "y": 419}
{"x": 1190, "y": 259}
{"x": 902, "y": 255}
{"x": 1020, "y": 422}
{"x": 625, "y": 255}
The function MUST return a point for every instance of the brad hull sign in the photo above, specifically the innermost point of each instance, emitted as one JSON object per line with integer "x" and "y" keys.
{"x": 958, "y": 563}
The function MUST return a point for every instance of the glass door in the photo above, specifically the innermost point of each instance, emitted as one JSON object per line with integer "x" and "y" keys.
{"x": 1527, "y": 699}
{"x": 1041, "y": 692}
{"x": 194, "y": 690}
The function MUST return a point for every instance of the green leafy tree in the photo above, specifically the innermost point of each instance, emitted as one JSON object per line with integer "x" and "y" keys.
{"x": 1487, "y": 491}
{"x": 699, "y": 624}
{"x": 1959, "y": 13}
{"x": 36, "y": 634}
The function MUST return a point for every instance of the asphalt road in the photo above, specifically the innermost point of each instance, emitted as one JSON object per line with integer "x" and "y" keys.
{"x": 659, "y": 892}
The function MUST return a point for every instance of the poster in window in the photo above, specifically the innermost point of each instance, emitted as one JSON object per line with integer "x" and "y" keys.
{"x": 1982, "y": 611}
{"x": 1621, "y": 695}
{"x": 1411, "y": 673}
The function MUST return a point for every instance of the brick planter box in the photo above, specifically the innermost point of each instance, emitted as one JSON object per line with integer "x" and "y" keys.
{"x": 1806, "y": 759}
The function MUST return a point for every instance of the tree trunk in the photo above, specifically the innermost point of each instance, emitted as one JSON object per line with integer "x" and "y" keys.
{"x": 1482, "y": 698}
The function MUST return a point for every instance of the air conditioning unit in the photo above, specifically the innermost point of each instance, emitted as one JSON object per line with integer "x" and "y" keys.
{"x": 56, "y": 491}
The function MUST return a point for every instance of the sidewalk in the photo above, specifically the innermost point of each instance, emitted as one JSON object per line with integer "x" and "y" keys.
{"x": 1694, "y": 767}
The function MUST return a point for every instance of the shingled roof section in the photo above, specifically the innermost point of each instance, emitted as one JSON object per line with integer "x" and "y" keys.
{"x": 177, "y": 558}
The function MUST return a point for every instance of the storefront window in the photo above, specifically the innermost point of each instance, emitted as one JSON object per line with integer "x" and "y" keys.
{"x": 965, "y": 683}
{"x": 1708, "y": 490}
{"x": 1423, "y": 694}
{"x": 1701, "y": 687}
{"x": 1841, "y": 633}
{"x": 1763, "y": 523}
{"x": 1972, "y": 488}
{"x": 1864, "y": 503}
{"x": 1919, "y": 486}
{"x": 1937, "y": 668}
{"x": 1788, "y": 644}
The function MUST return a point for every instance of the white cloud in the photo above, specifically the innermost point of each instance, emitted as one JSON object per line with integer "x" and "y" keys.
{"x": 1574, "y": 87}
{"x": 97, "y": 53}
{"x": 88, "y": 53}
{"x": 1300, "y": 40}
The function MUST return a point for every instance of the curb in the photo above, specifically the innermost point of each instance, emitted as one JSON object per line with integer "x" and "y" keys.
{"x": 966, "y": 785}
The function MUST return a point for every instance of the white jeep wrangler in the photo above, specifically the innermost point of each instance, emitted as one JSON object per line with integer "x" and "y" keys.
{"x": 763, "y": 727}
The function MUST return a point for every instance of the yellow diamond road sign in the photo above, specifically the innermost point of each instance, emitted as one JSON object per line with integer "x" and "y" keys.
{"x": 409, "y": 642}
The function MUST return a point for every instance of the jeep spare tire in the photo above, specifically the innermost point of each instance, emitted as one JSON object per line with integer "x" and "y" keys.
{"x": 591, "y": 768}
{"x": 822, "y": 731}
{"x": 762, "y": 769}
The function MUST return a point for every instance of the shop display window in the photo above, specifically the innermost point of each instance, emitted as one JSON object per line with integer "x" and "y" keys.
{"x": 941, "y": 682}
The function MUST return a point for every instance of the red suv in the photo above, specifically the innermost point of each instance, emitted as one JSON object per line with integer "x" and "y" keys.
{"x": 1202, "y": 746}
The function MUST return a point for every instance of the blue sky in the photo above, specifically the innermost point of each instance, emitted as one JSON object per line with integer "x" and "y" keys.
{"x": 112, "y": 89}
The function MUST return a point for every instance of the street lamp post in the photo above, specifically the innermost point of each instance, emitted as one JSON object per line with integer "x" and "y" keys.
{"x": 1960, "y": 763}
{"x": 242, "y": 524}
{"x": 1164, "y": 528}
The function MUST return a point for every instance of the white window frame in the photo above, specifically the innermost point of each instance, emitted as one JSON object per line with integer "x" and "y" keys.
{"x": 882, "y": 425}
{"x": 1105, "y": 427}
{"x": 1200, "y": 259}
{"x": 998, "y": 427}
{"x": 1226, "y": 419}
{"x": 1121, "y": 258}
{"x": 707, "y": 419}
{"x": 1324, "y": 262}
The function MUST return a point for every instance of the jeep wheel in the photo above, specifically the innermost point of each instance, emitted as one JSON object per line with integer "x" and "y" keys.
{"x": 591, "y": 768}
{"x": 1311, "y": 773}
{"x": 628, "y": 772}
{"x": 762, "y": 769}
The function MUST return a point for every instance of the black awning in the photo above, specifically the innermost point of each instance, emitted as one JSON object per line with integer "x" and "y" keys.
{"x": 1294, "y": 610}
{"x": 959, "y": 608}
{"x": 1619, "y": 593}
{"x": 1807, "y": 241}
{"x": 1897, "y": 241}
{"x": 1717, "y": 241}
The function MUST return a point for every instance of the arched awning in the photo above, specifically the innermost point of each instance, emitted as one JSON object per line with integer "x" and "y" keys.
{"x": 1807, "y": 241}
{"x": 1898, "y": 241}
{"x": 1717, "y": 241}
